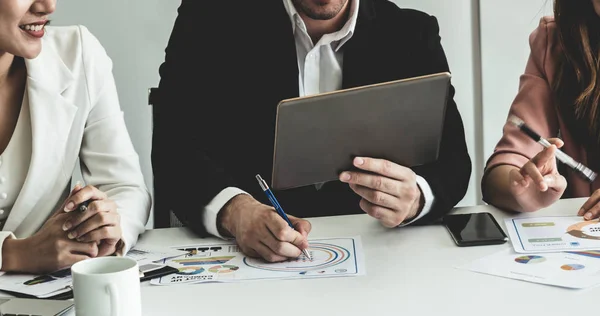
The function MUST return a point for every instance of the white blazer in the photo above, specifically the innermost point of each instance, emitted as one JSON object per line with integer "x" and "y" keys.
{"x": 75, "y": 113}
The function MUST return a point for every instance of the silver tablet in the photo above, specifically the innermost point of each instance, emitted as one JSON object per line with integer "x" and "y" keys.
{"x": 317, "y": 137}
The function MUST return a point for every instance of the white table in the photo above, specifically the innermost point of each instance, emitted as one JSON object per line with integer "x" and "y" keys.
{"x": 410, "y": 271}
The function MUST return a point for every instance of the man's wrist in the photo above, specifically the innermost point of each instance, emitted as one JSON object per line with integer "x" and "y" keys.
{"x": 418, "y": 205}
{"x": 227, "y": 216}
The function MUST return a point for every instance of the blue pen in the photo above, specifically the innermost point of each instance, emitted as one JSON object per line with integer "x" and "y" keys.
{"x": 277, "y": 207}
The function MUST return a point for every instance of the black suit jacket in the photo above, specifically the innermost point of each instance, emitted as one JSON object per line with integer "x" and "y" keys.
{"x": 227, "y": 66}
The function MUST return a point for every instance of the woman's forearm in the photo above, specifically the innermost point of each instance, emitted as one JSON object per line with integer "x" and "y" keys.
{"x": 12, "y": 252}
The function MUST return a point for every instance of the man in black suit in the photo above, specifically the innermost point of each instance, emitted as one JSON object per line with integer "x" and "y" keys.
{"x": 227, "y": 66}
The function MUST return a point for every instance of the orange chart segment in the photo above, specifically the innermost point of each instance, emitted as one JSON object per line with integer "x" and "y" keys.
{"x": 572, "y": 267}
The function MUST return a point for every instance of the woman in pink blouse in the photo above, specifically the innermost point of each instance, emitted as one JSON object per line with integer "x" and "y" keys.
{"x": 558, "y": 97}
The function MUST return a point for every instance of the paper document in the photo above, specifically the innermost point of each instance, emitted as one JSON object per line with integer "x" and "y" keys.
{"x": 48, "y": 285}
{"x": 553, "y": 234}
{"x": 41, "y": 286}
{"x": 332, "y": 257}
{"x": 145, "y": 255}
{"x": 575, "y": 270}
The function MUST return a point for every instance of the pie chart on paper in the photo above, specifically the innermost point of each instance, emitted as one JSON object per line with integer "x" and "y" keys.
{"x": 572, "y": 267}
{"x": 530, "y": 259}
{"x": 225, "y": 268}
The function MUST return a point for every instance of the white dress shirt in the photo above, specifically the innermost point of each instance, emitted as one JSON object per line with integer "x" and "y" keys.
{"x": 14, "y": 162}
{"x": 320, "y": 71}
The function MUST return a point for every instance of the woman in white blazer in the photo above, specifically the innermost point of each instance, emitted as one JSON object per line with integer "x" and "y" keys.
{"x": 58, "y": 103}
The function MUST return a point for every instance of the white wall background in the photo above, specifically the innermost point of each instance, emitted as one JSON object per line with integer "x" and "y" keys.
{"x": 485, "y": 42}
{"x": 504, "y": 49}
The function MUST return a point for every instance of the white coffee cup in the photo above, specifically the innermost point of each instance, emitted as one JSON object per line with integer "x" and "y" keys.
{"x": 107, "y": 286}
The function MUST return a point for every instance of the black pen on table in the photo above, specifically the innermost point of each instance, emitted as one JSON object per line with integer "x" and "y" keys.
{"x": 579, "y": 168}
{"x": 278, "y": 208}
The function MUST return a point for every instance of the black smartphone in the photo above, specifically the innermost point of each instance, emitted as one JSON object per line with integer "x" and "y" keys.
{"x": 475, "y": 229}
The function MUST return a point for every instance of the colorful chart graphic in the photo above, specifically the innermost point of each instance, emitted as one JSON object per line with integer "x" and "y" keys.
{"x": 592, "y": 254}
{"x": 203, "y": 261}
{"x": 190, "y": 270}
{"x": 572, "y": 267}
{"x": 585, "y": 230}
{"x": 530, "y": 259}
{"x": 323, "y": 255}
{"x": 226, "y": 268}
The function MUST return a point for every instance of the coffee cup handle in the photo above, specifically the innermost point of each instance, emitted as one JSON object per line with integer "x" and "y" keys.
{"x": 113, "y": 293}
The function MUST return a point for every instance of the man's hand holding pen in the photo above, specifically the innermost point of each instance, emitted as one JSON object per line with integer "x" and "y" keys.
{"x": 260, "y": 231}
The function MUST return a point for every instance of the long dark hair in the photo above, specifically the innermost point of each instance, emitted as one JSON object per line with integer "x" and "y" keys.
{"x": 577, "y": 80}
